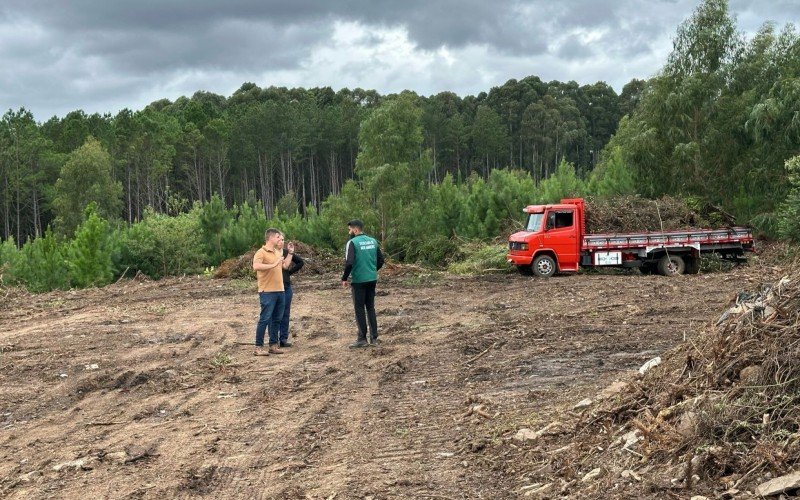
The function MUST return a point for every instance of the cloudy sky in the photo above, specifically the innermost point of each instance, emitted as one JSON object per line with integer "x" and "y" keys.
{"x": 104, "y": 55}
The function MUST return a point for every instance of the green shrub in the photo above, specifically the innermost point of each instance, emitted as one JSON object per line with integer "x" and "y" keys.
{"x": 10, "y": 259}
{"x": 160, "y": 245}
{"x": 312, "y": 230}
{"x": 214, "y": 218}
{"x": 788, "y": 222}
{"x": 244, "y": 232}
{"x": 43, "y": 266}
{"x": 89, "y": 252}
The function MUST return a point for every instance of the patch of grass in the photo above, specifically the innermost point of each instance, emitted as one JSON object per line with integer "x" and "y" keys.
{"x": 221, "y": 360}
{"x": 159, "y": 310}
{"x": 56, "y": 303}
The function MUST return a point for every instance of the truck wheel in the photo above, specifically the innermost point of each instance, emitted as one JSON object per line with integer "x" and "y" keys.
{"x": 671, "y": 265}
{"x": 544, "y": 266}
{"x": 525, "y": 270}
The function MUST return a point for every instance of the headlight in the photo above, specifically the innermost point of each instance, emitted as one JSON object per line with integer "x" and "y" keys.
{"x": 517, "y": 245}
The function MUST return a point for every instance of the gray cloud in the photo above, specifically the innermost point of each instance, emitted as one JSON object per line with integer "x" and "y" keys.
{"x": 101, "y": 55}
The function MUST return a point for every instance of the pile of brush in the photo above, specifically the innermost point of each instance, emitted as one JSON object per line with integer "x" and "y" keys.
{"x": 316, "y": 262}
{"x": 624, "y": 214}
{"x": 721, "y": 413}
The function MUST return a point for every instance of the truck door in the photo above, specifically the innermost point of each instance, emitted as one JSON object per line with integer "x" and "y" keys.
{"x": 561, "y": 234}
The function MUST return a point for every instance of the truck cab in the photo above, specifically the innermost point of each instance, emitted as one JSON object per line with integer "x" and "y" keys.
{"x": 551, "y": 240}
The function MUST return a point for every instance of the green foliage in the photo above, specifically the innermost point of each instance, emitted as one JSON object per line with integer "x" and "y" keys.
{"x": 478, "y": 257}
{"x": 160, "y": 245}
{"x": 44, "y": 265}
{"x": 389, "y": 162}
{"x": 489, "y": 137}
{"x": 89, "y": 252}
{"x": 351, "y": 203}
{"x": 311, "y": 230}
{"x": 392, "y": 134}
{"x": 612, "y": 177}
{"x": 493, "y": 206}
{"x": 563, "y": 184}
{"x": 446, "y": 205}
{"x": 288, "y": 205}
{"x": 242, "y": 233}
{"x": 214, "y": 218}
{"x": 720, "y": 120}
{"x": 433, "y": 250}
{"x": 86, "y": 178}
{"x": 789, "y": 214}
{"x": 10, "y": 259}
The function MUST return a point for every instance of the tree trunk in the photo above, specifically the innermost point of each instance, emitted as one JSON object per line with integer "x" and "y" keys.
{"x": 7, "y": 209}
{"x": 37, "y": 222}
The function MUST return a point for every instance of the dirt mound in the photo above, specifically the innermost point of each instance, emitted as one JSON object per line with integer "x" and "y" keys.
{"x": 718, "y": 416}
{"x": 633, "y": 214}
{"x": 317, "y": 261}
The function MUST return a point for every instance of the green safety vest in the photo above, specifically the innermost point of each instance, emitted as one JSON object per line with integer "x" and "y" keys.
{"x": 365, "y": 266}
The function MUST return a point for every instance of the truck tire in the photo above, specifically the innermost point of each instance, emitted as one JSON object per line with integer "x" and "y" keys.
{"x": 544, "y": 266}
{"x": 671, "y": 265}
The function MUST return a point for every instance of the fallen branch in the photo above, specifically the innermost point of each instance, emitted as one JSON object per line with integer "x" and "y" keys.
{"x": 123, "y": 275}
{"x": 482, "y": 354}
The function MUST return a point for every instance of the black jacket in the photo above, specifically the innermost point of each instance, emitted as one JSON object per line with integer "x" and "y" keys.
{"x": 296, "y": 265}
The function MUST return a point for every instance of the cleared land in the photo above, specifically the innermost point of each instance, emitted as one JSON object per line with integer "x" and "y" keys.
{"x": 148, "y": 389}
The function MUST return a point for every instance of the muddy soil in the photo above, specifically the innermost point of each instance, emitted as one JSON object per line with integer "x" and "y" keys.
{"x": 150, "y": 389}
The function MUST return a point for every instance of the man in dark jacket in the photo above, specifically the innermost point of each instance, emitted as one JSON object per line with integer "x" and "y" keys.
{"x": 296, "y": 265}
{"x": 363, "y": 258}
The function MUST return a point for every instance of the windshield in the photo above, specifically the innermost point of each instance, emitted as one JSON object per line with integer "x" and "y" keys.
{"x": 534, "y": 222}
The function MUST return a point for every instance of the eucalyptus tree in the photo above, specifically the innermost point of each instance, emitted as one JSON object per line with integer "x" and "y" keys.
{"x": 86, "y": 178}
{"x": 391, "y": 163}
{"x": 489, "y": 138}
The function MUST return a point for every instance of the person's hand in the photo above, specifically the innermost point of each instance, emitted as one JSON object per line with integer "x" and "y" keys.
{"x": 290, "y": 247}
{"x": 344, "y": 284}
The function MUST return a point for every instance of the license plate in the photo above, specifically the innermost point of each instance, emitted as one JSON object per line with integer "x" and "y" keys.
{"x": 607, "y": 258}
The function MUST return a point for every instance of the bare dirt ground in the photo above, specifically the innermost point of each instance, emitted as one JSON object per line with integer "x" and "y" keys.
{"x": 148, "y": 389}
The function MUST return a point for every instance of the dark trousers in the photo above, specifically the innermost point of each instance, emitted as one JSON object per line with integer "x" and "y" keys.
{"x": 283, "y": 331}
{"x": 270, "y": 317}
{"x": 364, "y": 303}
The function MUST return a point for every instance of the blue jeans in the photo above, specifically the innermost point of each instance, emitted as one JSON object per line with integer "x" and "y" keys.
{"x": 283, "y": 331}
{"x": 271, "y": 315}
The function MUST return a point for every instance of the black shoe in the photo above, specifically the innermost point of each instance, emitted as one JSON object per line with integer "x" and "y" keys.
{"x": 358, "y": 344}
{"x": 375, "y": 341}
{"x": 286, "y": 344}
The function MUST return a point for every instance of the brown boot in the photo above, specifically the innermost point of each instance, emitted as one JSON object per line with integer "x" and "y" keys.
{"x": 260, "y": 351}
{"x": 274, "y": 349}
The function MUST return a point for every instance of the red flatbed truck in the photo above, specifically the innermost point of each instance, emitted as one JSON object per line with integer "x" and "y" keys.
{"x": 555, "y": 240}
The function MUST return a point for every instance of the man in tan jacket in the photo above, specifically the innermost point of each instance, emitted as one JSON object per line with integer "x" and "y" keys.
{"x": 268, "y": 263}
